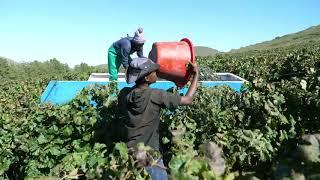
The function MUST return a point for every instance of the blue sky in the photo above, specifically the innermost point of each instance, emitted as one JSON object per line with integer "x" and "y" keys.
{"x": 75, "y": 31}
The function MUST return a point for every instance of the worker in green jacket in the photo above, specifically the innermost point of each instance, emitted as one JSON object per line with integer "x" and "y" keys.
{"x": 120, "y": 51}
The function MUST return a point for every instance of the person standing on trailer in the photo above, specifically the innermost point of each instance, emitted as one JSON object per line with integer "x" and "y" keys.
{"x": 120, "y": 51}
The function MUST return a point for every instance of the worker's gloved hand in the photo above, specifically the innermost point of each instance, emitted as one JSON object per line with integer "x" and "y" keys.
{"x": 125, "y": 73}
{"x": 194, "y": 68}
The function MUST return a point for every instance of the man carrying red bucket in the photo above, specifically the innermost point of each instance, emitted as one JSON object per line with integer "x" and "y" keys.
{"x": 140, "y": 107}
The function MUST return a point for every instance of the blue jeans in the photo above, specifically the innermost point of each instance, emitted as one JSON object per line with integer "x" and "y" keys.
{"x": 157, "y": 173}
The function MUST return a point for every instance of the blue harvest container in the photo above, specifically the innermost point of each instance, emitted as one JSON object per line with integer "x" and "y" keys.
{"x": 61, "y": 92}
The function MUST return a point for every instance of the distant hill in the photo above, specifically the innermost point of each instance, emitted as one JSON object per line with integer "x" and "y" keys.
{"x": 309, "y": 35}
{"x": 101, "y": 66}
{"x": 205, "y": 51}
{"x": 104, "y": 68}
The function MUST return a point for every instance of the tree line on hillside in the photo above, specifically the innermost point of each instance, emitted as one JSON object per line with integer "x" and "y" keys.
{"x": 52, "y": 68}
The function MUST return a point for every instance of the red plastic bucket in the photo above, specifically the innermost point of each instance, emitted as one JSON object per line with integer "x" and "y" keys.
{"x": 173, "y": 58}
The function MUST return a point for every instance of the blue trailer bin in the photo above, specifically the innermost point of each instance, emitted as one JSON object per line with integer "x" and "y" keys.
{"x": 61, "y": 92}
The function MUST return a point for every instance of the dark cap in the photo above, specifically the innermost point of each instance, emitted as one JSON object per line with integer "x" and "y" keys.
{"x": 139, "y": 68}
